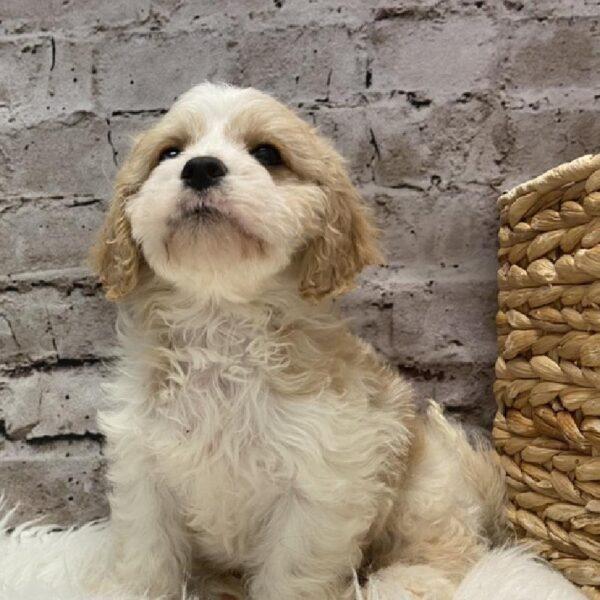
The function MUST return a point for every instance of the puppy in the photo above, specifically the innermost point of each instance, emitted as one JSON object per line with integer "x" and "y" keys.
{"x": 250, "y": 434}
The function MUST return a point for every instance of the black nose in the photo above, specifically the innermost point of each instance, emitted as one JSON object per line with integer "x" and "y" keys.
{"x": 203, "y": 172}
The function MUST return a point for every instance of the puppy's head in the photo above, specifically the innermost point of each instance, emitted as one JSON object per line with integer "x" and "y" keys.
{"x": 229, "y": 191}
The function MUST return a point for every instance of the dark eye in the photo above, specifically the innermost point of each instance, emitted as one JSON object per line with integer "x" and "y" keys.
{"x": 267, "y": 155}
{"x": 170, "y": 152}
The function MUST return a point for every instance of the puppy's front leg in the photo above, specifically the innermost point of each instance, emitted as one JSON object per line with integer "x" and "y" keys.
{"x": 150, "y": 549}
{"x": 309, "y": 551}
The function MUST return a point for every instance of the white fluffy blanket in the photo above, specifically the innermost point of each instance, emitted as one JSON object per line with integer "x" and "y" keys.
{"x": 40, "y": 563}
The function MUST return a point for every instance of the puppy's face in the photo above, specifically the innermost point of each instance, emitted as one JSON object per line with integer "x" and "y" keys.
{"x": 227, "y": 192}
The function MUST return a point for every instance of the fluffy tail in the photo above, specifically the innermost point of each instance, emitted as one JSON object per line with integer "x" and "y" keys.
{"x": 485, "y": 486}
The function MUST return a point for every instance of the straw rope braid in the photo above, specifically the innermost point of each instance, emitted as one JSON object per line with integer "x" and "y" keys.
{"x": 547, "y": 430}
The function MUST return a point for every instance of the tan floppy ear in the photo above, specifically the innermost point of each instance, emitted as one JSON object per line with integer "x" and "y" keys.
{"x": 115, "y": 256}
{"x": 346, "y": 244}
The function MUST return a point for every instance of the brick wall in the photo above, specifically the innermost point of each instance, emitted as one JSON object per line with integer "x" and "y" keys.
{"x": 438, "y": 105}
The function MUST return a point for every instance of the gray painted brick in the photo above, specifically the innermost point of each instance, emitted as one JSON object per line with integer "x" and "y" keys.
{"x": 304, "y": 64}
{"x": 63, "y": 482}
{"x": 46, "y": 324}
{"x": 267, "y": 13}
{"x": 419, "y": 140}
{"x": 463, "y": 391}
{"x": 467, "y": 229}
{"x": 43, "y": 77}
{"x": 553, "y": 8}
{"x": 177, "y": 16}
{"x": 442, "y": 59}
{"x": 349, "y": 129}
{"x": 123, "y": 130}
{"x": 42, "y": 233}
{"x": 422, "y": 318}
{"x": 62, "y": 157}
{"x": 47, "y": 15}
{"x": 559, "y": 53}
{"x": 159, "y": 67}
{"x": 404, "y": 217}
{"x": 430, "y": 228}
{"x": 60, "y": 401}
{"x": 541, "y": 139}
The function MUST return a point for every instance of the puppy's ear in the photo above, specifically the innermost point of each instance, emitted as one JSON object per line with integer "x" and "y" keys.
{"x": 115, "y": 256}
{"x": 346, "y": 243}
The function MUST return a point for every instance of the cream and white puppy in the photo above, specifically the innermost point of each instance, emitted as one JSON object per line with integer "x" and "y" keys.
{"x": 251, "y": 436}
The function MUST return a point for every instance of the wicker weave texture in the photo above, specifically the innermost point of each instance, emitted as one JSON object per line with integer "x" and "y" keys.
{"x": 547, "y": 430}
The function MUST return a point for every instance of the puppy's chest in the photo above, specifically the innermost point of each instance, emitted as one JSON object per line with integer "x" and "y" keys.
{"x": 234, "y": 433}
{"x": 207, "y": 391}
{"x": 230, "y": 378}
{"x": 221, "y": 449}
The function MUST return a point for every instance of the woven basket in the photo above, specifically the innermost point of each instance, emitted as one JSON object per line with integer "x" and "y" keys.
{"x": 547, "y": 430}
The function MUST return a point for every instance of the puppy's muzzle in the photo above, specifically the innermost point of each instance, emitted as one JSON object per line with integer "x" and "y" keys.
{"x": 203, "y": 172}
